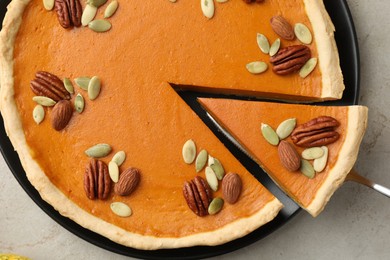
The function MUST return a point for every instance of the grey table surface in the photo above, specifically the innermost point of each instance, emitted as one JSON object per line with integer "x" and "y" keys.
{"x": 354, "y": 225}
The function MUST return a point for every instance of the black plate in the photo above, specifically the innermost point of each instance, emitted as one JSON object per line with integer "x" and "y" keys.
{"x": 349, "y": 56}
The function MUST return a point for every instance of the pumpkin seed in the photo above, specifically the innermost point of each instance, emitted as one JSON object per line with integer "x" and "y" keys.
{"x": 38, "y": 114}
{"x": 68, "y": 85}
{"x": 189, "y": 151}
{"x": 88, "y": 14}
{"x": 96, "y": 3}
{"x": 215, "y": 206}
{"x": 207, "y": 8}
{"x": 201, "y": 160}
{"x": 285, "y": 128}
{"x": 222, "y": 1}
{"x": 274, "y": 47}
{"x": 303, "y": 33}
{"x": 269, "y": 134}
{"x": 308, "y": 67}
{"x": 111, "y": 9}
{"x": 173, "y": 1}
{"x": 79, "y": 103}
{"x": 257, "y": 67}
{"x": 119, "y": 158}
{"x": 94, "y": 88}
{"x": 312, "y": 153}
{"x": 211, "y": 178}
{"x": 44, "y": 101}
{"x": 48, "y": 4}
{"x": 320, "y": 163}
{"x": 210, "y": 160}
{"x": 98, "y": 150}
{"x": 263, "y": 43}
{"x": 113, "y": 171}
{"x": 217, "y": 168}
{"x": 99, "y": 25}
{"x": 82, "y": 82}
{"x": 121, "y": 209}
{"x": 307, "y": 169}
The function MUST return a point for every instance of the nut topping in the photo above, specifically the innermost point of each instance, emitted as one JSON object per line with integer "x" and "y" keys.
{"x": 290, "y": 59}
{"x": 68, "y": 13}
{"x": 99, "y": 150}
{"x": 62, "y": 10}
{"x": 189, "y": 151}
{"x": 316, "y": 132}
{"x": 208, "y": 8}
{"x": 128, "y": 182}
{"x": 97, "y": 182}
{"x": 49, "y": 85}
{"x": 288, "y": 156}
{"x": 303, "y": 33}
{"x": 282, "y": 27}
{"x": 231, "y": 187}
{"x": 75, "y": 12}
{"x": 38, "y": 114}
{"x": 197, "y": 194}
{"x": 121, "y": 209}
{"x": 61, "y": 114}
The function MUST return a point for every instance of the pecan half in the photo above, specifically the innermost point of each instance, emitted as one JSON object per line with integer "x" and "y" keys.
{"x": 97, "y": 182}
{"x": 316, "y": 132}
{"x": 290, "y": 59}
{"x": 198, "y": 195}
{"x": 75, "y": 12}
{"x": 49, "y": 85}
{"x": 68, "y": 13}
{"x": 62, "y": 11}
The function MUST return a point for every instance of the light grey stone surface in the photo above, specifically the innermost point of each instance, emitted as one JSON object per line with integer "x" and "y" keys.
{"x": 355, "y": 224}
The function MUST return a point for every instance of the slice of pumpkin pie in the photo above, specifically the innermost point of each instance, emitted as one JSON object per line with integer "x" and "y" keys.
{"x": 307, "y": 150}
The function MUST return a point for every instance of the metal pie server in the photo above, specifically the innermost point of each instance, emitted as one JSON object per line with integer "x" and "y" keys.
{"x": 352, "y": 175}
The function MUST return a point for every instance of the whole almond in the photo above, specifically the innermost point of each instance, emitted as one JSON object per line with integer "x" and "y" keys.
{"x": 128, "y": 182}
{"x": 61, "y": 114}
{"x": 288, "y": 156}
{"x": 282, "y": 27}
{"x": 231, "y": 187}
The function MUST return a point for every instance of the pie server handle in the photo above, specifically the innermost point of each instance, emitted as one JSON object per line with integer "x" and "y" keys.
{"x": 354, "y": 176}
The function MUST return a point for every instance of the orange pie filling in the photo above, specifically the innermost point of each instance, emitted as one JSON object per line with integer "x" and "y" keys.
{"x": 150, "y": 46}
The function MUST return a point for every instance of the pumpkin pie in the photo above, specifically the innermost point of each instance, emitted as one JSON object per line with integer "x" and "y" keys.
{"x": 148, "y": 50}
{"x": 243, "y": 120}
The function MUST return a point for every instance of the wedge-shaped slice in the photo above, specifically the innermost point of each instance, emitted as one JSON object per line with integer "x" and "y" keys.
{"x": 243, "y": 119}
